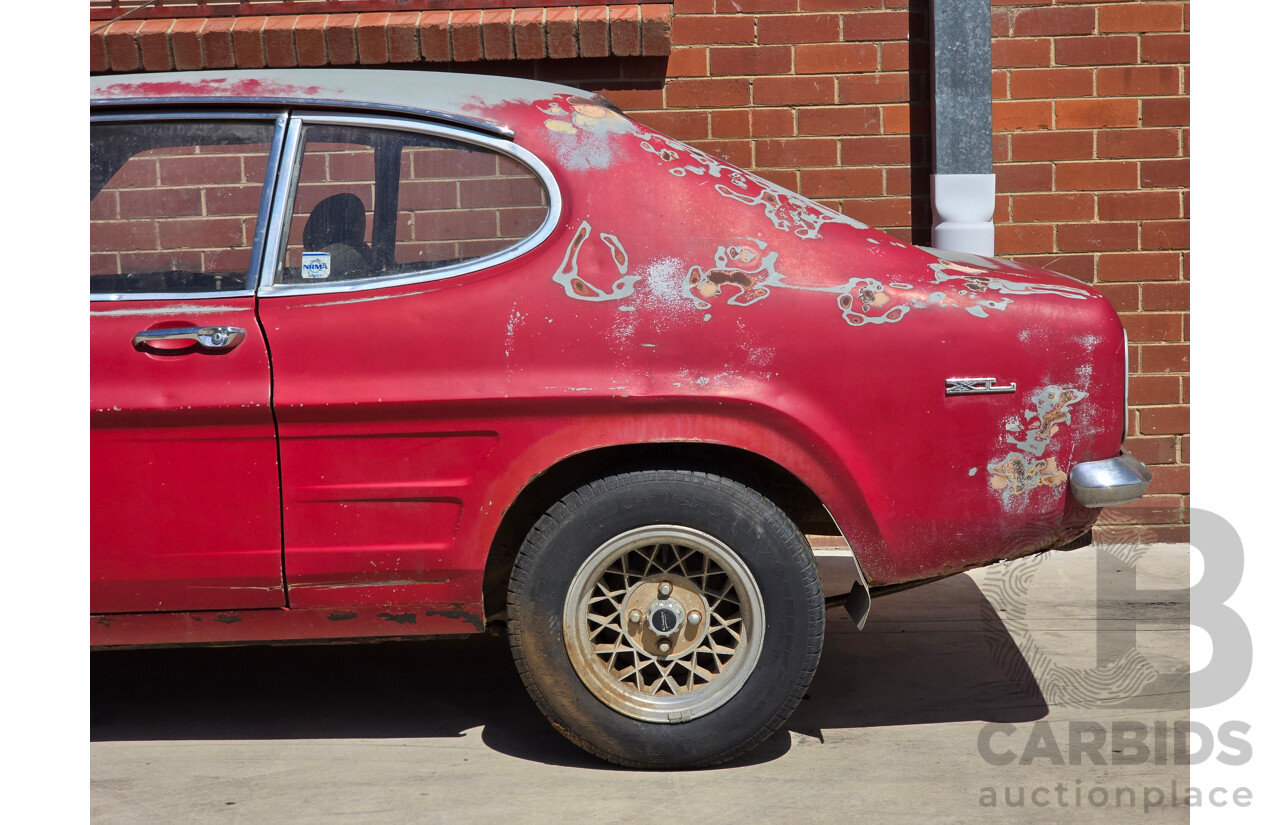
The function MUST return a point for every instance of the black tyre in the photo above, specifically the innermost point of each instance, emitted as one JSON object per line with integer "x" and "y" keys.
{"x": 666, "y": 618}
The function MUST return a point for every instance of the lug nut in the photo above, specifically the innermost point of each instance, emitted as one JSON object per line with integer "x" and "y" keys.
{"x": 664, "y": 646}
{"x": 694, "y": 617}
{"x": 634, "y": 616}
{"x": 664, "y": 590}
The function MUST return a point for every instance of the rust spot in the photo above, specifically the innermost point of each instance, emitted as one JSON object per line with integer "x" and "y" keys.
{"x": 399, "y": 618}
{"x": 105, "y": 621}
{"x": 341, "y": 615}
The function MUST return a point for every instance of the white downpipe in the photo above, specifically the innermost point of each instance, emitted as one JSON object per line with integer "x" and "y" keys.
{"x": 963, "y": 207}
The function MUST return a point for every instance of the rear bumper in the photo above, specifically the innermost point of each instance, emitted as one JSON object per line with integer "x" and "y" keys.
{"x": 1112, "y": 481}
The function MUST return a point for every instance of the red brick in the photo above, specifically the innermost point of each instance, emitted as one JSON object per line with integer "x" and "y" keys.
{"x": 788, "y": 29}
{"x": 1140, "y": 17}
{"x": 1174, "y": 111}
{"x": 371, "y": 38}
{"x": 786, "y": 178}
{"x": 688, "y": 62}
{"x": 246, "y": 35}
{"x": 1097, "y": 237}
{"x": 562, "y": 33}
{"x": 1051, "y": 83}
{"x": 97, "y": 48}
{"x": 877, "y": 26}
{"x": 638, "y": 99}
{"x": 834, "y": 5}
{"x": 840, "y": 183}
{"x": 874, "y": 88}
{"x": 1116, "y": 81}
{"x": 1166, "y": 234}
{"x": 1138, "y": 205}
{"x": 624, "y": 30}
{"x": 793, "y": 91}
{"x": 402, "y": 38}
{"x": 708, "y": 92}
{"x": 1095, "y": 51}
{"x": 122, "y": 45}
{"x": 215, "y": 41}
{"x": 153, "y": 44}
{"x": 1156, "y": 449}
{"x": 464, "y": 36}
{"x": 593, "y": 31}
{"x": 655, "y": 30}
{"x": 340, "y": 40}
{"x": 1096, "y": 113}
{"x": 1170, "y": 480}
{"x": 772, "y": 123}
{"x": 1054, "y": 206}
{"x": 187, "y": 54}
{"x": 1166, "y": 48}
{"x": 1097, "y": 175}
{"x": 907, "y": 180}
{"x": 792, "y": 153}
{"x": 718, "y": 30}
{"x": 737, "y": 152}
{"x": 1022, "y": 238}
{"x": 1152, "y": 389}
{"x": 835, "y": 58}
{"x": 1053, "y": 20}
{"x": 1175, "y": 296}
{"x": 1138, "y": 143}
{"x": 1021, "y": 115}
{"x": 171, "y": 202}
{"x": 730, "y": 123}
{"x": 1154, "y": 326}
{"x": 875, "y": 150}
{"x": 1079, "y": 267}
{"x": 750, "y": 60}
{"x": 839, "y": 120}
{"x": 1138, "y": 266}
{"x": 731, "y": 6}
{"x": 1051, "y": 145}
{"x": 497, "y": 35}
{"x": 999, "y": 83}
{"x": 1021, "y": 52}
{"x": 879, "y": 212}
{"x": 1123, "y": 297}
{"x": 308, "y": 35}
{"x": 680, "y": 125}
{"x": 528, "y": 34}
{"x": 1157, "y": 420}
{"x": 278, "y": 37}
{"x": 1165, "y": 174}
{"x": 686, "y": 7}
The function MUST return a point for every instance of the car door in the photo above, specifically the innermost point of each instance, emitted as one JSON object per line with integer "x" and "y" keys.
{"x": 389, "y": 250}
{"x": 185, "y": 497}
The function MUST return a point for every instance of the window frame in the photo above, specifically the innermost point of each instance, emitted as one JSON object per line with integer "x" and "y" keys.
{"x": 286, "y": 191}
{"x": 270, "y": 180}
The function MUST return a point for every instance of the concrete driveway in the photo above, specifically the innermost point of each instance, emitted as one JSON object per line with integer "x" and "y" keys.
{"x": 1058, "y": 681}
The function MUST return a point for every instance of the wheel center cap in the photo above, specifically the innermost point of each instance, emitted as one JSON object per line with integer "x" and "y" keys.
{"x": 665, "y": 616}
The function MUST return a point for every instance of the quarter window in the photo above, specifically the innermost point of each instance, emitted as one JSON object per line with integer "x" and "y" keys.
{"x": 372, "y": 202}
{"x": 173, "y": 206}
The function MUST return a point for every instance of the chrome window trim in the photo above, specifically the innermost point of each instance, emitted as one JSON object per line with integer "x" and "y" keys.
{"x": 495, "y": 129}
{"x": 270, "y": 177}
{"x": 282, "y": 208}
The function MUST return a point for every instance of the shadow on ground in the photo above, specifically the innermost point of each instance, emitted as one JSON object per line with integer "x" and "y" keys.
{"x": 934, "y": 654}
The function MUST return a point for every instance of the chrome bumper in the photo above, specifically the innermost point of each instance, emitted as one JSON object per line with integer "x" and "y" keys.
{"x": 1113, "y": 481}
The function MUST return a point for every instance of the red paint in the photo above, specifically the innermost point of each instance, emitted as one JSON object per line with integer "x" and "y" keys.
{"x": 705, "y": 306}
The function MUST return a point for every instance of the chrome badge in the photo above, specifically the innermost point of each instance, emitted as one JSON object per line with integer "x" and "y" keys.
{"x": 977, "y": 386}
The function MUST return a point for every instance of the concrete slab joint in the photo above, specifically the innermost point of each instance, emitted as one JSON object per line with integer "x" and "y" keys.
{"x": 623, "y": 30}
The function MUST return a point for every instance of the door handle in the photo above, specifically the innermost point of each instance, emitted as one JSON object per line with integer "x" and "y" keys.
{"x": 215, "y": 338}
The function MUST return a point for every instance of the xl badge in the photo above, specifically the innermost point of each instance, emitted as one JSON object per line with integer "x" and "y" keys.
{"x": 977, "y": 386}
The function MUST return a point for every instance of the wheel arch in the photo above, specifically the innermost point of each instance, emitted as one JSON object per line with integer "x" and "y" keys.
{"x": 775, "y": 482}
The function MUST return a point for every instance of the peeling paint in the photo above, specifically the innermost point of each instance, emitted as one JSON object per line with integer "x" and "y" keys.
{"x": 1016, "y": 474}
{"x": 576, "y": 287}
{"x": 399, "y": 618}
{"x": 582, "y": 130}
{"x": 341, "y": 616}
{"x": 227, "y": 618}
{"x": 1051, "y": 410}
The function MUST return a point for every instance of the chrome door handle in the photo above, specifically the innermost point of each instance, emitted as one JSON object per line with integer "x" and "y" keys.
{"x": 222, "y": 338}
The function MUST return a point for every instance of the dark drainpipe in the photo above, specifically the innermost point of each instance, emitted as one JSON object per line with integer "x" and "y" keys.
{"x": 963, "y": 186}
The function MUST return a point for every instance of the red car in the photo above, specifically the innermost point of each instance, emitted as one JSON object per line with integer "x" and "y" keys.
{"x": 387, "y": 354}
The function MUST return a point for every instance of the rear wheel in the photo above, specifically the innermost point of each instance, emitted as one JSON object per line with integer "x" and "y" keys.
{"x": 666, "y": 618}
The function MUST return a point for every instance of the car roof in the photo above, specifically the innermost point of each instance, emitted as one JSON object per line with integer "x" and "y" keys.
{"x": 473, "y": 100}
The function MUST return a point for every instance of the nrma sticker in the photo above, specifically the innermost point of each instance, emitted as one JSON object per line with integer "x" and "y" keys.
{"x": 315, "y": 265}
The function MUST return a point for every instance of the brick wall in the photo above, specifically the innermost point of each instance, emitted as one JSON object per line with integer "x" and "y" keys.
{"x": 830, "y": 97}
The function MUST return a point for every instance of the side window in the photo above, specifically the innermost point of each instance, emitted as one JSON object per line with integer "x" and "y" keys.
{"x": 370, "y": 203}
{"x": 173, "y": 205}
